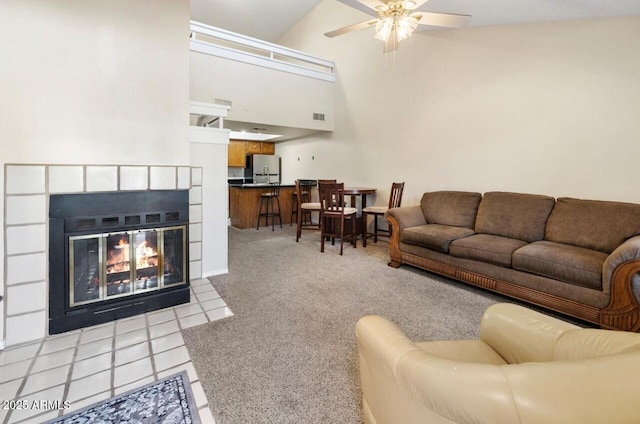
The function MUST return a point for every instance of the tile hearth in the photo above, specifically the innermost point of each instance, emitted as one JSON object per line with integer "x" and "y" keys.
{"x": 95, "y": 363}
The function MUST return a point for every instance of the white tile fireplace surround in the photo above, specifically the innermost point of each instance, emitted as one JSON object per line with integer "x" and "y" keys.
{"x": 27, "y": 191}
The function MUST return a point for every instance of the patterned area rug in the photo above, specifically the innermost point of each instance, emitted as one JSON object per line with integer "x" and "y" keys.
{"x": 165, "y": 401}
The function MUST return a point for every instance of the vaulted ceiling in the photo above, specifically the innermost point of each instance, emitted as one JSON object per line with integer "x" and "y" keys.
{"x": 269, "y": 20}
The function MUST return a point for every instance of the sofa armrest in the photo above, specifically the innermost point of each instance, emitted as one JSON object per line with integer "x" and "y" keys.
{"x": 627, "y": 251}
{"x": 619, "y": 275}
{"x": 521, "y": 335}
{"x": 407, "y": 216}
{"x": 399, "y": 218}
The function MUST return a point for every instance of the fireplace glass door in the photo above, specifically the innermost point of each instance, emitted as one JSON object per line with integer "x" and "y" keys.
{"x": 147, "y": 260}
{"x": 85, "y": 264}
{"x": 174, "y": 256}
{"x": 118, "y": 264}
{"x": 108, "y": 266}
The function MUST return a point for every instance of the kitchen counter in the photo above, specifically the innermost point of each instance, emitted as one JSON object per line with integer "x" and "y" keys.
{"x": 258, "y": 185}
{"x": 244, "y": 201}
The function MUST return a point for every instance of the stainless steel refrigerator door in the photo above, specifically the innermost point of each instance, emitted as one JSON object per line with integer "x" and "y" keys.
{"x": 266, "y": 168}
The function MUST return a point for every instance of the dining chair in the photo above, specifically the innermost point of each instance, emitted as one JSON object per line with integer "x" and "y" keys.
{"x": 334, "y": 215}
{"x": 395, "y": 198}
{"x": 321, "y": 182}
{"x": 305, "y": 186}
{"x": 304, "y": 209}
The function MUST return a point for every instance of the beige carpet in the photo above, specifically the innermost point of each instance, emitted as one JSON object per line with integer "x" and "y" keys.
{"x": 288, "y": 355}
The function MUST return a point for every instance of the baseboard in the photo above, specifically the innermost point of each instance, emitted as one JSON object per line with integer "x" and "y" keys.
{"x": 215, "y": 272}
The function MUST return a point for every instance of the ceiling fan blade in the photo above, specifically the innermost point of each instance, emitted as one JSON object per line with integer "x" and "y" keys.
{"x": 374, "y": 3}
{"x": 414, "y": 4}
{"x": 350, "y": 28}
{"x": 366, "y": 6}
{"x": 442, "y": 19}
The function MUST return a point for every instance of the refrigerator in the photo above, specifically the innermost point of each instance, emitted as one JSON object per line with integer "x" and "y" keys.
{"x": 265, "y": 168}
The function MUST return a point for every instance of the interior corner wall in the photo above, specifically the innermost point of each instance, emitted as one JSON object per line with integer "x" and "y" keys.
{"x": 213, "y": 160}
{"x": 547, "y": 108}
{"x": 92, "y": 82}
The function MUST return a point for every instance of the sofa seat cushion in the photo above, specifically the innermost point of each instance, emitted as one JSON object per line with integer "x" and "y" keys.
{"x": 486, "y": 248}
{"x": 471, "y": 351}
{"x": 434, "y": 236}
{"x": 564, "y": 262}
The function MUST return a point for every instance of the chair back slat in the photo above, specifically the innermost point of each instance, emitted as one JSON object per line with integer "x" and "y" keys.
{"x": 275, "y": 189}
{"x": 303, "y": 191}
{"x": 331, "y": 197}
{"x": 395, "y": 197}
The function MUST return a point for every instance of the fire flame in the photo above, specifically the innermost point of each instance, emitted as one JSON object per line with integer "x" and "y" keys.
{"x": 146, "y": 256}
{"x": 118, "y": 258}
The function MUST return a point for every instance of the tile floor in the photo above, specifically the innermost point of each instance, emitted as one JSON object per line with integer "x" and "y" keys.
{"x": 85, "y": 366}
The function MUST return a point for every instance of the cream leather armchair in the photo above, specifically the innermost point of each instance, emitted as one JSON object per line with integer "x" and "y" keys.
{"x": 525, "y": 368}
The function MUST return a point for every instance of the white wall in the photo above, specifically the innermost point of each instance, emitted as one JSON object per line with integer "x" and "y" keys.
{"x": 262, "y": 95}
{"x": 92, "y": 82}
{"x": 212, "y": 157}
{"x": 547, "y": 108}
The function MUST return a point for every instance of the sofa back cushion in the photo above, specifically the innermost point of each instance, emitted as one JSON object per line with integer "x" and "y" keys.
{"x": 514, "y": 215}
{"x": 455, "y": 208}
{"x": 593, "y": 224}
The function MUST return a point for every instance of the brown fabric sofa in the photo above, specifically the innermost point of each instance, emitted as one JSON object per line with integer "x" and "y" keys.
{"x": 578, "y": 257}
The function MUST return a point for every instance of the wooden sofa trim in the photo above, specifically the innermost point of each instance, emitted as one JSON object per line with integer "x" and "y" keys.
{"x": 622, "y": 313}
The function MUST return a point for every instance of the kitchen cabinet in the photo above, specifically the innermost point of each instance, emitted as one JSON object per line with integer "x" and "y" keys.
{"x": 236, "y": 154}
{"x": 259, "y": 148}
{"x": 252, "y": 147}
{"x": 267, "y": 148}
{"x": 238, "y": 150}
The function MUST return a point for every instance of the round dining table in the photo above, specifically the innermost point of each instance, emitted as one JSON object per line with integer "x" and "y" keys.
{"x": 358, "y": 191}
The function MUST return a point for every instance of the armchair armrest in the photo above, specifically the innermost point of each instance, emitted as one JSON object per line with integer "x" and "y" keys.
{"x": 401, "y": 383}
{"x": 521, "y": 335}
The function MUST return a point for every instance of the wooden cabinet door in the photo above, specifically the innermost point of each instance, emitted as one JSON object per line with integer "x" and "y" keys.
{"x": 252, "y": 147}
{"x": 267, "y": 148}
{"x": 236, "y": 155}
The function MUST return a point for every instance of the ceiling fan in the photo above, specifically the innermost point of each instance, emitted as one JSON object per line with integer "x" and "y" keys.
{"x": 397, "y": 19}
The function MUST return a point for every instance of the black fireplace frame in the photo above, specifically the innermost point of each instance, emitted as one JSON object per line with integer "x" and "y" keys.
{"x": 106, "y": 212}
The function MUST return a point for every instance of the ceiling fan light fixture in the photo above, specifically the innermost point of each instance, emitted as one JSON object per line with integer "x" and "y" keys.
{"x": 405, "y": 25}
{"x": 384, "y": 27}
{"x": 409, "y": 5}
{"x": 401, "y": 27}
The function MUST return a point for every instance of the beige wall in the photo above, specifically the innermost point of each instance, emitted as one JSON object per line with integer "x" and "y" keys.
{"x": 93, "y": 82}
{"x": 261, "y": 95}
{"x": 544, "y": 108}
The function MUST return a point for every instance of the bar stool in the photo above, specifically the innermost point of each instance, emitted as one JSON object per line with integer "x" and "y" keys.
{"x": 271, "y": 198}
{"x": 395, "y": 198}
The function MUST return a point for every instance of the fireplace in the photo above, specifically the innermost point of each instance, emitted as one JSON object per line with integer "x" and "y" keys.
{"x": 114, "y": 255}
